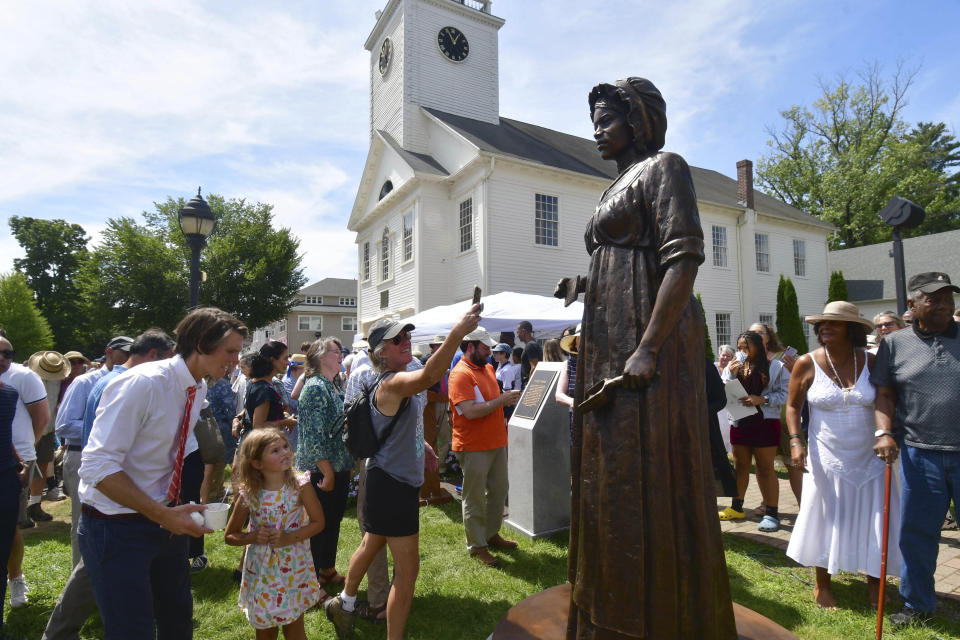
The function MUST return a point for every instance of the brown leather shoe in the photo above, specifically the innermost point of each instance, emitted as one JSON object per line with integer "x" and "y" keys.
{"x": 482, "y": 555}
{"x": 499, "y": 542}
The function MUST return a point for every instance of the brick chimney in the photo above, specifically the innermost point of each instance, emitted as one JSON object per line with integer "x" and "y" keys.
{"x": 745, "y": 183}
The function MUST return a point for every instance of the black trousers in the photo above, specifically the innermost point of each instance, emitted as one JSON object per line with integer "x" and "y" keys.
{"x": 323, "y": 546}
{"x": 190, "y": 482}
{"x": 10, "y": 490}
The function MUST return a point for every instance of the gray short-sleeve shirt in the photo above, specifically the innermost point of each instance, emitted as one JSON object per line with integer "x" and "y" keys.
{"x": 924, "y": 371}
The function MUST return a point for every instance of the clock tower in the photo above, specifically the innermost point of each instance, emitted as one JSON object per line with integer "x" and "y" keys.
{"x": 441, "y": 54}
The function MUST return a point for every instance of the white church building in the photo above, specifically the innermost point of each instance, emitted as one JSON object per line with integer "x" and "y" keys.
{"x": 455, "y": 195}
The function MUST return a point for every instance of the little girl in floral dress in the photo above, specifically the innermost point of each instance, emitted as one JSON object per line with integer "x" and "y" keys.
{"x": 279, "y": 582}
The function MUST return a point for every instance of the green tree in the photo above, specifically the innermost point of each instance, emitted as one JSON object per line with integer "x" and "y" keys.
{"x": 139, "y": 276}
{"x": 844, "y": 158}
{"x": 54, "y": 249}
{"x": 27, "y": 329}
{"x": 789, "y": 323}
{"x": 706, "y": 332}
{"x": 837, "y": 289}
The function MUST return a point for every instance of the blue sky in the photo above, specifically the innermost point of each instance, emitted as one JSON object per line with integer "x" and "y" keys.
{"x": 108, "y": 106}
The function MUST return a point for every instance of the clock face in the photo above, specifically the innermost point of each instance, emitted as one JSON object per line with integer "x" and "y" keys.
{"x": 453, "y": 44}
{"x": 386, "y": 55}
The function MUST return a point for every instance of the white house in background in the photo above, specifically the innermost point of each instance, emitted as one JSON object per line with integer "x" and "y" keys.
{"x": 325, "y": 308}
{"x": 868, "y": 271}
{"x": 454, "y": 195}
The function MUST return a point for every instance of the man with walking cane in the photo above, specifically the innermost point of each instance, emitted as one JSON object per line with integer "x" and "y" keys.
{"x": 917, "y": 375}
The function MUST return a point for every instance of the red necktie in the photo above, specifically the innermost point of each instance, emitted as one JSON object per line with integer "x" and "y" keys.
{"x": 173, "y": 493}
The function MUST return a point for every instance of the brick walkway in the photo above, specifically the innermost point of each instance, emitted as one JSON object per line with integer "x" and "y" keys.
{"x": 948, "y": 563}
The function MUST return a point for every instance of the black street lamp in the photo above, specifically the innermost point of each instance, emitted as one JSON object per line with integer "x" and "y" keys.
{"x": 900, "y": 213}
{"x": 197, "y": 223}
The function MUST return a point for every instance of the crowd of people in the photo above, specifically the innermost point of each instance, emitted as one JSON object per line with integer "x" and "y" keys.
{"x": 139, "y": 477}
{"x": 838, "y": 416}
{"x": 146, "y": 431}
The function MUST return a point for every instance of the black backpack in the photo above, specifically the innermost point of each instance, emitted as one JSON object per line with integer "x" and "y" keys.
{"x": 359, "y": 435}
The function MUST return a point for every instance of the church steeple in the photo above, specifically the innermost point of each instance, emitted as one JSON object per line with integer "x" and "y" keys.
{"x": 433, "y": 53}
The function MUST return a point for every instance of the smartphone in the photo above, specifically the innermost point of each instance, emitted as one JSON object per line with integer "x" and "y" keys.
{"x": 476, "y": 297}
{"x": 741, "y": 357}
{"x": 789, "y": 351}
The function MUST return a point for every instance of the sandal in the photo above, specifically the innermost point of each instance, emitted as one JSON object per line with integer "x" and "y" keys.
{"x": 732, "y": 514}
{"x": 324, "y": 598}
{"x": 331, "y": 578}
{"x": 374, "y": 614}
{"x": 769, "y": 524}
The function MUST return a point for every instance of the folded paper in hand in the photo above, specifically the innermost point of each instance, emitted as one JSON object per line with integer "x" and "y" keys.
{"x": 735, "y": 391}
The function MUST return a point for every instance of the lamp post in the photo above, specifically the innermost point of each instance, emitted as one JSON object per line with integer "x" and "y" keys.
{"x": 197, "y": 222}
{"x": 900, "y": 213}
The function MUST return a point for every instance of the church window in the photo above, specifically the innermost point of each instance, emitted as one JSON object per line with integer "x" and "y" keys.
{"x": 546, "y": 220}
{"x": 385, "y": 189}
{"x": 722, "y": 327}
{"x": 799, "y": 258}
{"x": 466, "y": 225}
{"x": 761, "y": 245}
{"x": 385, "y": 256}
{"x": 408, "y": 237}
{"x": 719, "y": 246}
{"x": 366, "y": 261}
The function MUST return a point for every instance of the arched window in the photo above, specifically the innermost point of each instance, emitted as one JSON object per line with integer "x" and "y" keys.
{"x": 385, "y": 189}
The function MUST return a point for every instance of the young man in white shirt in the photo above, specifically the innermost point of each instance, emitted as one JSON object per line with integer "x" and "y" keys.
{"x": 132, "y": 532}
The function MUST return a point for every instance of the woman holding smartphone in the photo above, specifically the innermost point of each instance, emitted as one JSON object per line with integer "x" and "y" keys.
{"x": 756, "y": 436}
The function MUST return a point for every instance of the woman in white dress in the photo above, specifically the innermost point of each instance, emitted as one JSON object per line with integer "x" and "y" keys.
{"x": 840, "y": 524}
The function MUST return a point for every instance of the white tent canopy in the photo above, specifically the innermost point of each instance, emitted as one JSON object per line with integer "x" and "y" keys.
{"x": 501, "y": 312}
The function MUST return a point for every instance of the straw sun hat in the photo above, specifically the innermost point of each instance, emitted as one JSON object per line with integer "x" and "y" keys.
{"x": 49, "y": 365}
{"x": 566, "y": 342}
{"x": 841, "y": 311}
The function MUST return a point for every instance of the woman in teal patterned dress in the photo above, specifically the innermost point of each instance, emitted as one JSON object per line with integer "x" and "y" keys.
{"x": 321, "y": 451}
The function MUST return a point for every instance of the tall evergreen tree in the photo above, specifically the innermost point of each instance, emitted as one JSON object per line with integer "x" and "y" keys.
{"x": 789, "y": 322}
{"x": 838, "y": 287}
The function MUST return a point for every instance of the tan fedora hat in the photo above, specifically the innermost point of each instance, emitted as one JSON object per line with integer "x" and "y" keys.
{"x": 49, "y": 365}
{"x": 841, "y": 311}
{"x": 76, "y": 355}
{"x": 566, "y": 342}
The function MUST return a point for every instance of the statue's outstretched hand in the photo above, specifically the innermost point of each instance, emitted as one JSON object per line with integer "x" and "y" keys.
{"x": 640, "y": 369}
{"x": 568, "y": 289}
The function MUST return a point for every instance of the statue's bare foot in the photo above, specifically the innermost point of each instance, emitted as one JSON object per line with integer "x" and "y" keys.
{"x": 824, "y": 598}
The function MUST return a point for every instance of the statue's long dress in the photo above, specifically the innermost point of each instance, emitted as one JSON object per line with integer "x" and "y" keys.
{"x": 646, "y": 556}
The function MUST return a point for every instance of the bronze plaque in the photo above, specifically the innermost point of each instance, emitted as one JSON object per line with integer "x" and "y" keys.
{"x": 537, "y": 389}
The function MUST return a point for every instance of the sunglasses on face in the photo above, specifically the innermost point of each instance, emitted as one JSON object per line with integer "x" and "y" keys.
{"x": 7, "y": 353}
{"x": 397, "y": 340}
{"x": 884, "y": 325}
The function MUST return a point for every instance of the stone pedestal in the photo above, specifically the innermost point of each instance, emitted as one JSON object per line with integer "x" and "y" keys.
{"x": 543, "y": 616}
{"x": 539, "y": 458}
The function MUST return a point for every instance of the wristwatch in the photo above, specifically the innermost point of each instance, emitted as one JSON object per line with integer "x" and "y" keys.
{"x": 880, "y": 433}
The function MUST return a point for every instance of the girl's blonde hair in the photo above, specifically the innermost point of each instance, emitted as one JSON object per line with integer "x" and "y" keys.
{"x": 245, "y": 476}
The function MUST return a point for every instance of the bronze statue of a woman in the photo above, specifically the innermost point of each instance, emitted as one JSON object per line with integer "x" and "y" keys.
{"x": 646, "y": 556}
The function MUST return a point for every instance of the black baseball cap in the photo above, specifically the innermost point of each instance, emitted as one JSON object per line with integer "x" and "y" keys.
{"x": 123, "y": 343}
{"x": 386, "y": 329}
{"x": 931, "y": 281}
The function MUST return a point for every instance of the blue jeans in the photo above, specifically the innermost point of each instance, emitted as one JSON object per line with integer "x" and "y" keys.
{"x": 929, "y": 480}
{"x": 140, "y": 578}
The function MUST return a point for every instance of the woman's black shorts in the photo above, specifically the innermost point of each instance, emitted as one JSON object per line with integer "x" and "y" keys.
{"x": 390, "y": 508}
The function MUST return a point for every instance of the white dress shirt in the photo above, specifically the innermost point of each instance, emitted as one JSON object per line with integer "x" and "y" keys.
{"x": 136, "y": 429}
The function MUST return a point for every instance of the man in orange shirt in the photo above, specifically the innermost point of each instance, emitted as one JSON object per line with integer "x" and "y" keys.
{"x": 480, "y": 443}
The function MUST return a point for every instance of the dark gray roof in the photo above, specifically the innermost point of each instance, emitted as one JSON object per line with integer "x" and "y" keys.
{"x": 331, "y": 287}
{"x": 564, "y": 151}
{"x": 858, "y": 290}
{"x": 933, "y": 252}
{"x": 419, "y": 162}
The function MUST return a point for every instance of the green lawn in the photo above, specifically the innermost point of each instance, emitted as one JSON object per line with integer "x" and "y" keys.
{"x": 458, "y": 598}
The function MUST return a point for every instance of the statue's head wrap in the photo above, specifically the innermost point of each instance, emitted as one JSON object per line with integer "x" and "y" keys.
{"x": 643, "y": 106}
